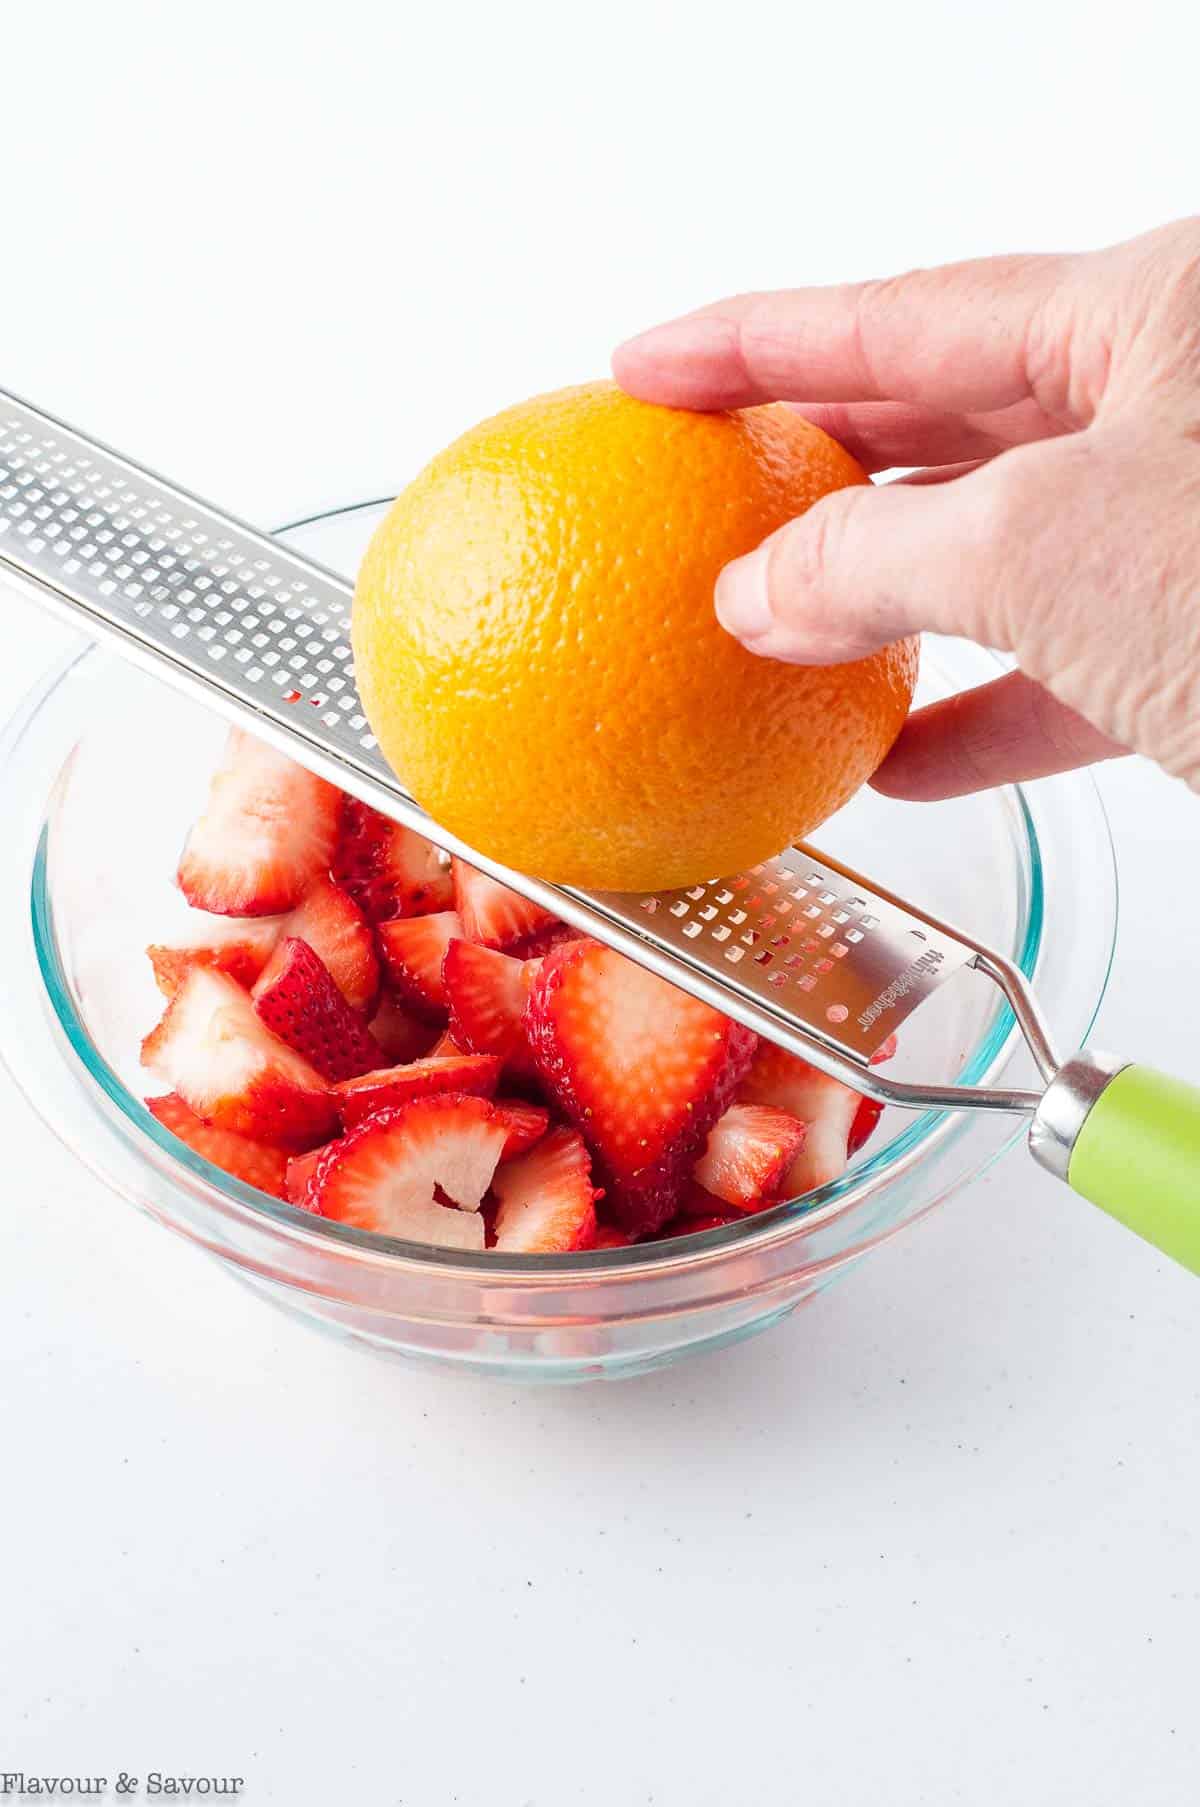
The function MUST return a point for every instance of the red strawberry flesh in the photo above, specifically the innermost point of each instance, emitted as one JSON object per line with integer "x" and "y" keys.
{"x": 402, "y": 1035}
{"x": 546, "y": 1200}
{"x": 866, "y": 1117}
{"x": 749, "y": 1154}
{"x": 388, "y": 1173}
{"x": 487, "y": 993}
{"x": 300, "y": 1170}
{"x": 256, "y": 1163}
{"x": 268, "y": 830}
{"x": 609, "y": 1237}
{"x": 413, "y": 949}
{"x": 525, "y": 1124}
{"x": 298, "y": 1000}
{"x": 643, "y": 1069}
{"x": 388, "y": 870}
{"x": 225, "y": 1063}
{"x": 695, "y": 1224}
{"x": 242, "y": 954}
{"x": 826, "y": 1106}
{"x": 341, "y": 937}
{"x": 491, "y": 914}
{"x": 476, "y": 1075}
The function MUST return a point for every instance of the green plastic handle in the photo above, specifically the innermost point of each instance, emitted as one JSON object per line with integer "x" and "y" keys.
{"x": 1137, "y": 1156}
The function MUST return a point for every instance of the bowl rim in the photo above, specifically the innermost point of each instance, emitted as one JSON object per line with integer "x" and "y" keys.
{"x": 790, "y": 1219}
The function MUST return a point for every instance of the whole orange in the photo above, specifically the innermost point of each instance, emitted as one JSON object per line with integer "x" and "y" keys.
{"x": 537, "y": 652}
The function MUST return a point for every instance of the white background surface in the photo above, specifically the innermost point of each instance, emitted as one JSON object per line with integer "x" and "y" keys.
{"x": 931, "y": 1541}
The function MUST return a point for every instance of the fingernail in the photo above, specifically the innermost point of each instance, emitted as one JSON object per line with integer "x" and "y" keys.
{"x": 742, "y": 599}
{"x": 691, "y": 337}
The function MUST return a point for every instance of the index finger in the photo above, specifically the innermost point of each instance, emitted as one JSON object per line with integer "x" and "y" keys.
{"x": 955, "y": 338}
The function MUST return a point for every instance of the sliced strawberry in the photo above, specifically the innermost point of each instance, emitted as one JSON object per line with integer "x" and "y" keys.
{"x": 643, "y": 1069}
{"x": 341, "y": 938}
{"x": 474, "y": 1074}
{"x": 254, "y": 1162}
{"x": 298, "y": 1000}
{"x": 532, "y": 947}
{"x": 824, "y": 1104}
{"x": 268, "y": 830}
{"x": 444, "y": 1047}
{"x": 385, "y": 1174}
{"x": 869, "y": 1111}
{"x": 487, "y": 992}
{"x": 526, "y": 1125}
{"x": 609, "y": 1237}
{"x": 242, "y": 954}
{"x": 389, "y": 870}
{"x": 300, "y": 1170}
{"x": 413, "y": 950}
{"x": 213, "y": 1050}
{"x": 401, "y": 1035}
{"x": 491, "y": 914}
{"x": 547, "y": 1203}
{"x": 686, "y": 1224}
{"x": 749, "y": 1154}
{"x": 863, "y": 1127}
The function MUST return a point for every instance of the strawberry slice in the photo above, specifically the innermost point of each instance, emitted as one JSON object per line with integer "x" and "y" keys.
{"x": 862, "y": 1129}
{"x": 389, "y": 870}
{"x": 242, "y": 953}
{"x": 492, "y": 915}
{"x": 609, "y": 1237}
{"x": 487, "y": 993}
{"x": 413, "y": 949}
{"x": 547, "y": 1203}
{"x": 749, "y": 1154}
{"x": 213, "y": 1050}
{"x": 532, "y": 947}
{"x": 526, "y": 1124}
{"x": 298, "y": 1000}
{"x": 444, "y": 1047}
{"x": 254, "y": 1162}
{"x": 268, "y": 830}
{"x": 694, "y": 1224}
{"x": 300, "y": 1170}
{"x": 401, "y": 1035}
{"x": 869, "y": 1109}
{"x": 341, "y": 938}
{"x": 385, "y": 1174}
{"x": 474, "y": 1074}
{"x": 824, "y": 1104}
{"x": 643, "y": 1069}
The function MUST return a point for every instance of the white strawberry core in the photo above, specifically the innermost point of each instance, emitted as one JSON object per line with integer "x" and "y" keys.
{"x": 644, "y": 1030}
{"x": 387, "y": 1182}
{"x": 261, "y": 805}
{"x": 826, "y": 1105}
{"x": 216, "y": 1045}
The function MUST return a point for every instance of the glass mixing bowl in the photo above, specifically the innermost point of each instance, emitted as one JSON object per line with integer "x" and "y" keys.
{"x": 103, "y": 769}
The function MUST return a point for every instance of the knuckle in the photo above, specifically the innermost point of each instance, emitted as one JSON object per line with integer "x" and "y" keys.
{"x": 807, "y": 580}
{"x": 761, "y": 340}
{"x": 805, "y": 557}
{"x": 1148, "y": 330}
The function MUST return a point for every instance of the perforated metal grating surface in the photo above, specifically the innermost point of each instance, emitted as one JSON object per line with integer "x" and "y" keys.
{"x": 263, "y": 635}
{"x": 198, "y": 585}
{"x": 814, "y": 939}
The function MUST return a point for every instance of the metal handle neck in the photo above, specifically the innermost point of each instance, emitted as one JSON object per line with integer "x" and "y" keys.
{"x": 1064, "y": 1109}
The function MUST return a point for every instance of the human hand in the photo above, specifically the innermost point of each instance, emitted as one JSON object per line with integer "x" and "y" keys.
{"x": 1054, "y": 403}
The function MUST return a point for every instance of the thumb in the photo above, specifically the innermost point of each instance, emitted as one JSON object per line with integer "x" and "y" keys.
{"x": 862, "y": 567}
